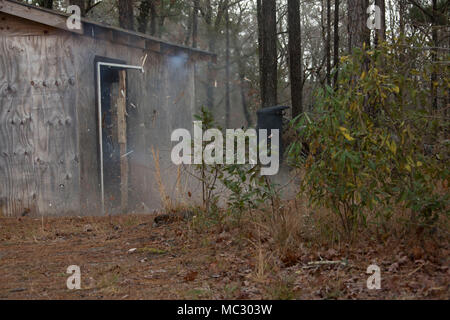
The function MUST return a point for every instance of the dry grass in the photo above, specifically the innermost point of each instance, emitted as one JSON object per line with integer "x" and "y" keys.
{"x": 178, "y": 202}
{"x": 225, "y": 262}
{"x": 293, "y": 228}
{"x": 165, "y": 199}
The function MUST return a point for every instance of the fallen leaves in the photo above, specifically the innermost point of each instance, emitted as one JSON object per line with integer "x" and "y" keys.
{"x": 88, "y": 228}
{"x": 393, "y": 268}
{"x": 211, "y": 264}
{"x": 191, "y": 276}
{"x": 417, "y": 253}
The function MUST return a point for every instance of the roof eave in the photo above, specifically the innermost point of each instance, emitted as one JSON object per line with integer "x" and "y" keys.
{"x": 58, "y": 20}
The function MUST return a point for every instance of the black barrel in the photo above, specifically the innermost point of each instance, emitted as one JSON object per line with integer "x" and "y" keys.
{"x": 272, "y": 118}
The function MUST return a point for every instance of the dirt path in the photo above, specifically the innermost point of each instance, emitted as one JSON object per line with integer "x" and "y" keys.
{"x": 129, "y": 258}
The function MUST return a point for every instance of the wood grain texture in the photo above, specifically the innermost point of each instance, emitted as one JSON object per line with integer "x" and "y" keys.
{"x": 38, "y": 140}
{"x": 11, "y": 26}
{"x": 39, "y": 15}
{"x": 49, "y": 152}
{"x": 122, "y": 132}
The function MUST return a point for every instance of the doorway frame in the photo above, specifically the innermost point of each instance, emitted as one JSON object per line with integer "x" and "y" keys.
{"x": 121, "y": 66}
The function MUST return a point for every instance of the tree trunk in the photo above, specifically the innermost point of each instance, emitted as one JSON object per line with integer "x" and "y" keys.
{"x": 46, "y": 4}
{"x": 153, "y": 17}
{"x": 336, "y": 42}
{"x": 262, "y": 67}
{"x": 81, "y": 4}
{"x": 126, "y": 15}
{"x": 147, "y": 11}
{"x": 211, "y": 72}
{"x": 295, "y": 57}
{"x": 402, "y": 6}
{"x": 328, "y": 42}
{"x": 195, "y": 23}
{"x": 380, "y": 35}
{"x": 434, "y": 36}
{"x": 213, "y": 31}
{"x": 243, "y": 85}
{"x": 240, "y": 60}
{"x": 227, "y": 69}
{"x": 359, "y": 36}
{"x": 195, "y": 38}
{"x": 269, "y": 68}
{"x": 358, "y": 32}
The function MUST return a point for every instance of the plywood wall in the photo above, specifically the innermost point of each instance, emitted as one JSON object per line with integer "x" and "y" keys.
{"x": 159, "y": 101}
{"x": 39, "y": 159}
{"x": 49, "y": 154}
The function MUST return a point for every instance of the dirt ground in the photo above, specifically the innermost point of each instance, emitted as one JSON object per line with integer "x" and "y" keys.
{"x": 127, "y": 257}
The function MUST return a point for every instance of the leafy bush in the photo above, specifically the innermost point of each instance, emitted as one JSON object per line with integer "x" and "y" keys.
{"x": 368, "y": 141}
{"x": 245, "y": 188}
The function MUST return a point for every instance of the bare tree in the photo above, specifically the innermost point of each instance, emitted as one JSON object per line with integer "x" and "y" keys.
{"x": 336, "y": 41}
{"x": 241, "y": 59}
{"x": 295, "y": 57}
{"x": 126, "y": 16}
{"x": 432, "y": 15}
{"x": 381, "y": 33}
{"x": 227, "y": 67}
{"x": 434, "y": 36}
{"x": 192, "y": 30}
{"x": 328, "y": 42}
{"x": 46, "y": 4}
{"x": 147, "y": 11}
{"x": 358, "y": 33}
{"x": 195, "y": 23}
{"x": 269, "y": 67}
{"x": 81, "y": 4}
{"x": 213, "y": 24}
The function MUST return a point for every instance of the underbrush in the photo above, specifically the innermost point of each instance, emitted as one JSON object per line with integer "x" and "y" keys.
{"x": 372, "y": 161}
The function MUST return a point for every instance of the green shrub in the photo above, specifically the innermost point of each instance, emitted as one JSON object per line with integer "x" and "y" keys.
{"x": 245, "y": 188}
{"x": 368, "y": 141}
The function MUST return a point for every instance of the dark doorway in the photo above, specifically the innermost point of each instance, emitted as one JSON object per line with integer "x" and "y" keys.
{"x": 114, "y": 137}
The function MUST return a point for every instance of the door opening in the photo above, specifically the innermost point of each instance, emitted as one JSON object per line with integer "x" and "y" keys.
{"x": 112, "y": 134}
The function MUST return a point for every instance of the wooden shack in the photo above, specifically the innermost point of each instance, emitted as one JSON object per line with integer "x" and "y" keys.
{"x": 81, "y": 110}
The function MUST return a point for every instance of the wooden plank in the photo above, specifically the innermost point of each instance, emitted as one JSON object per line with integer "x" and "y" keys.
{"x": 102, "y": 33}
{"x": 138, "y": 42}
{"x": 55, "y": 120}
{"x": 37, "y": 15}
{"x": 11, "y": 26}
{"x": 122, "y": 137}
{"x": 126, "y": 39}
{"x": 153, "y": 45}
{"x": 121, "y": 38}
{"x": 17, "y": 173}
{"x": 85, "y": 49}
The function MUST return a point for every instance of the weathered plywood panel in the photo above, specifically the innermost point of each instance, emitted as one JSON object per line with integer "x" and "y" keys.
{"x": 11, "y": 26}
{"x": 144, "y": 122}
{"x": 48, "y": 118}
{"x": 18, "y": 189}
{"x": 39, "y": 148}
{"x": 85, "y": 50}
{"x": 158, "y": 101}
